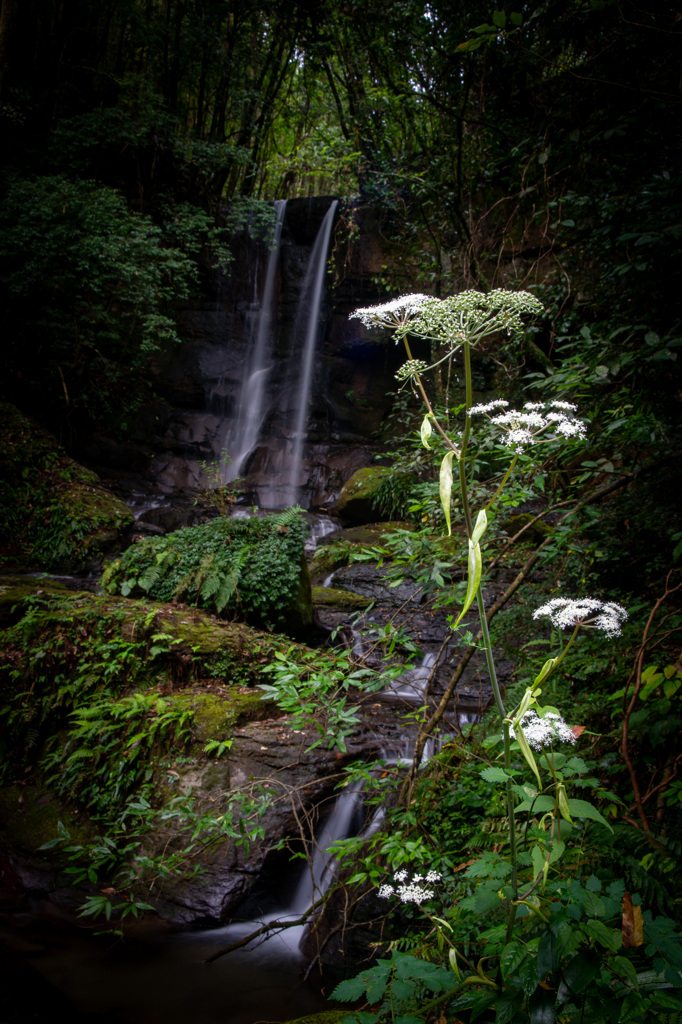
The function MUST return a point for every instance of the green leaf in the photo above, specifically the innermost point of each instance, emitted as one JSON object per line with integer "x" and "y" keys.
{"x": 475, "y": 570}
{"x": 540, "y": 805}
{"x": 512, "y": 955}
{"x": 426, "y": 430}
{"x": 499, "y": 19}
{"x": 480, "y": 527}
{"x": 544, "y": 671}
{"x": 528, "y": 754}
{"x": 494, "y": 774}
{"x": 581, "y": 971}
{"x": 583, "y": 809}
{"x": 446, "y": 487}
{"x": 541, "y": 1007}
{"x": 610, "y": 937}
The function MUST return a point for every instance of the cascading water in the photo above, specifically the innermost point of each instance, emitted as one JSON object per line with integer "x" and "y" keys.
{"x": 302, "y": 360}
{"x": 252, "y": 406}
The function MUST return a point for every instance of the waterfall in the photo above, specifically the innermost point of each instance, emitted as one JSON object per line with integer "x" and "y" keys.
{"x": 252, "y": 408}
{"x": 344, "y": 819}
{"x": 301, "y": 365}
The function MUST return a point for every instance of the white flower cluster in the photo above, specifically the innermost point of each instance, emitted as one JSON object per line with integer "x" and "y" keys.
{"x": 410, "y": 891}
{"x": 539, "y": 732}
{"x": 390, "y": 314}
{"x": 565, "y": 612}
{"x": 524, "y": 427}
{"x": 468, "y": 316}
{"x": 497, "y": 403}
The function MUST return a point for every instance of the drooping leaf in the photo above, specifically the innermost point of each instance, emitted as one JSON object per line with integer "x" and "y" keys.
{"x": 632, "y": 928}
{"x": 446, "y": 487}
{"x": 583, "y": 809}
{"x": 426, "y": 431}
{"x": 475, "y": 570}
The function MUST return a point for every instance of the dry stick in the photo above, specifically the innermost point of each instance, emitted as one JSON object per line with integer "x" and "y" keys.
{"x": 637, "y": 672}
{"x": 408, "y": 784}
{"x": 272, "y": 926}
{"x": 406, "y": 791}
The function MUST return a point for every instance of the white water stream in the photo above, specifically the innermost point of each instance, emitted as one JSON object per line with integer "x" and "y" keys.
{"x": 302, "y": 361}
{"x": 245, "y": 429}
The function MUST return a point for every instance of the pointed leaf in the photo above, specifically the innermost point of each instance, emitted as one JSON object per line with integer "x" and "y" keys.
{"x": 475, "y": 570}
{"x": 527, "y": 753}
{"x": 583, "y": 809}
{"x": 426, "y": 430}
{"x": 480, "y": 527}
{"x": 446, "y": 487}
{"x": 544, "y": 671}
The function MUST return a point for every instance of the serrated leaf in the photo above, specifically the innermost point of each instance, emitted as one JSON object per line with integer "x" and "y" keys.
{"x": 583, "y": 809}
{"x": 493, "y": 774}
{"x": 510, "y": 958}
{"x": 609, "y": 937}
{"x": 540, "y": 805}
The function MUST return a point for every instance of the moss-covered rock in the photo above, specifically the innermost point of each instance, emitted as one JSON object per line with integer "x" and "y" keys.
{"x": 15, "y": 590}
{"x": 253, "y": 568}
{"x": 326, "y": 1017}
{"x": 54, "y": 513}
{"x": 342, "y": 546}
{"x": 30, "y": 817}
{"x": 342, "y": 600}
{"x": 357, "y": 502}
{"x": 534, "y": 534}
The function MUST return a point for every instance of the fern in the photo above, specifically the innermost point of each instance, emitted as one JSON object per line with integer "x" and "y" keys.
{"x": 288, "y": 516}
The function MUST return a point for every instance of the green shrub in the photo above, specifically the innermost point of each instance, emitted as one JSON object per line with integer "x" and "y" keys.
{"x": 254, "y": 567}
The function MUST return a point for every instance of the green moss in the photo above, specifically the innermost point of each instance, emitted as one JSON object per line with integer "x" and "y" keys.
{"x": 535, "y": 533}
{"x": 326, "y": 1017}
{"x": 344, "y": 600}
{"x": 255, "y": 568}
{"x": 53, "y": 512}
{"x": 30, "y": 816}
{"x": 357, "y": 501}
{"x": 216, "y": 715}
{"x": 343, "y": 548}
{"x": 15, "y": 590}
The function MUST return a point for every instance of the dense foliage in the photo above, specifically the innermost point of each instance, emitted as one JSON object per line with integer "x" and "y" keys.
{"x": 54, "y": 513}
{"x": 252, "y": 566}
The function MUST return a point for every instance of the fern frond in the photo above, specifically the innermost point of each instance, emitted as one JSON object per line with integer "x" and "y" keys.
{"x": 288, "y": 516}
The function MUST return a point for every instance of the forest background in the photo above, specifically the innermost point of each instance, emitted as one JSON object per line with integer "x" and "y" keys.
{"x": 535, "y": 146}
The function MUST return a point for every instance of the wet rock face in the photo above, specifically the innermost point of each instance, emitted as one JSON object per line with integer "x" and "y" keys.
{"x": 267, "y": 759}
{"x": 202, "y": 380}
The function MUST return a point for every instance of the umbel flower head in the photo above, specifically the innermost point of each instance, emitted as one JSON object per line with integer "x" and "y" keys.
{"x": 540, "y": 732}
{"x": 395, "y": 313}
{"x": 537, "y": 421}
{"x": 474, "y": 315}
{"x": 410, "y": 891}
{"x": 412, "y": 368}
{"x": 565, "y": 612}
{"x": 468, "y": 316}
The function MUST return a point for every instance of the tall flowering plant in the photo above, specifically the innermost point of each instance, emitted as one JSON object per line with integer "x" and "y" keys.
{"x": 515, "y": 982}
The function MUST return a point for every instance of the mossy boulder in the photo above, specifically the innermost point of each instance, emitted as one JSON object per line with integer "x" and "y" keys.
{"x": 342, "y": 600}
{"x": 54, "y": 513}
{"x": 341, "y": 547}
{"x": 326, "y": 1017}
{"x": 358, "y": 501}
{"x": 254, "y": 569}
{"x": 14, "y": 591}
{"x": 535, "y": 533}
